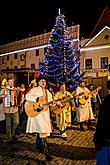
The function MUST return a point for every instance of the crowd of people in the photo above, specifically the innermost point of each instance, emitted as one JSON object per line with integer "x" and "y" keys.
{"x": 44, "y": 106}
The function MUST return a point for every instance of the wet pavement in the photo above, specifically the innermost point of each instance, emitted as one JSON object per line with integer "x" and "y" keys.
{"x": 77, "y": 150}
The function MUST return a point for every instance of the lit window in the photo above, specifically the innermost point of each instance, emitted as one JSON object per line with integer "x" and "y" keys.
{"x": 104, "y": 62}
{"x": 22, "y": 57}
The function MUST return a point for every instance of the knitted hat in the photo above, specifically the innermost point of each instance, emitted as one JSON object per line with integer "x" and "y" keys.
{"x": 41, "y": 77}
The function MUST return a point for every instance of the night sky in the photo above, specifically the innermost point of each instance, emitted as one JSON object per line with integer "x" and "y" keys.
{"x": 19, "y": 18}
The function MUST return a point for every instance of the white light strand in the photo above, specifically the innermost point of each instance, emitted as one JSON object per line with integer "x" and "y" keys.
{"x": 94, "y": 48}
{"x": 23, "y": 50}
{"x": 27, "y": 49}
{"x": 59, "y": 11}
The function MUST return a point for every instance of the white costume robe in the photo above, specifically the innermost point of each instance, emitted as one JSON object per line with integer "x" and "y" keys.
{"x": 84, "y": 112}
{"x": 40, "y": 123}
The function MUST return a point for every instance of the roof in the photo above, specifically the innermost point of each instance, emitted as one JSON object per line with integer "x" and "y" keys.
{"x": 103, "y": 21}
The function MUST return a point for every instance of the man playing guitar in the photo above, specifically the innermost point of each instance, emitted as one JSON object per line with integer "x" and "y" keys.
{"x": 39, "y": 122}
{"x": 84, "y": 108}
{"x": 63, "y": 117}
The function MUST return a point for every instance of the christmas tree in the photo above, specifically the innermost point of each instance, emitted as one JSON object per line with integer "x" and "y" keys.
{"x": 62, "y": 58}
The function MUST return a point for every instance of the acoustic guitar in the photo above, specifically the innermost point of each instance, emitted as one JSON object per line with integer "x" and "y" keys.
{"x": 34, "y": 108}
{"x": 65, "y": 104}
{"x": 86, "y": 95}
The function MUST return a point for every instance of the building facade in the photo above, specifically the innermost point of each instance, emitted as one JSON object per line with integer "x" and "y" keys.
{"x": 20, "y": 59}
{"x": 95, "y": 58}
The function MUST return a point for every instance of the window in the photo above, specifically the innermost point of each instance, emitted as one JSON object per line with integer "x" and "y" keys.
{"x": 106, "y": 37}
{"x": 22, "y": 57}
{"x": 15, "y": 55}
{"x": 88, "y": 63}
{"x": 3, "y": 60}
{"x": 33, "y": 66}
{"x": 7, "y": 57}
{"x": 15, "y": 67}
{"x": 104, "y": 62}
{"x": 37, "y": 52}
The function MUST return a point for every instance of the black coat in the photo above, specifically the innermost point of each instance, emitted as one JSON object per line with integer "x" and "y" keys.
{"x": 102, "y": 134}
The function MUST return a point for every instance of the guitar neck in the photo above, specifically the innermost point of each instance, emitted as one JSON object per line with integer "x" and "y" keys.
{"x": 50, "y": 102}
{"x": 92, "y": 92}
{"x": 96, "y": 90}
{"x": 63, "y": 101}
{"x": 82, "y": 93}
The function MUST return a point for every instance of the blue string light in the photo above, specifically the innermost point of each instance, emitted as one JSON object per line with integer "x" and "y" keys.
{"x": 62, "y": 58}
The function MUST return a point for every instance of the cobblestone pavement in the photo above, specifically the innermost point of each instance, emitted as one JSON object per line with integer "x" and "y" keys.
{"x": 77, "y": 150}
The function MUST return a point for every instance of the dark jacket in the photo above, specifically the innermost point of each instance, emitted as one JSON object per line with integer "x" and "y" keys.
{"x": 102, "y": 134}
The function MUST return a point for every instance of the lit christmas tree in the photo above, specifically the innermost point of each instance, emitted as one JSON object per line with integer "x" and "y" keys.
{"x": 62, "y": 59}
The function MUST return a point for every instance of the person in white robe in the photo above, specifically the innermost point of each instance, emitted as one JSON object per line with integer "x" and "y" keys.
{"x": 40, "y": 123}
{"x": 84, "y": 108}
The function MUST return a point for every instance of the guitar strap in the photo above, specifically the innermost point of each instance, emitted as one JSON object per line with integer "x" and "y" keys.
{"x": 49, "y": 111}
{"x": 46, "y": 98}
